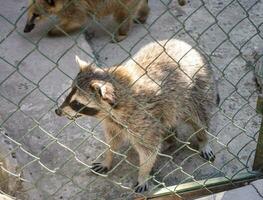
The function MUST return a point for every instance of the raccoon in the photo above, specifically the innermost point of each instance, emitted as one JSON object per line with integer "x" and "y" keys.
{"x": 164, "y": 84}
{"x": 72, "y": 14}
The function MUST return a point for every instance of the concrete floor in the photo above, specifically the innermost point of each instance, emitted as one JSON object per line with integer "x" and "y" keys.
{"x": 252, "y": 191}
{"x": 53, "y": 154}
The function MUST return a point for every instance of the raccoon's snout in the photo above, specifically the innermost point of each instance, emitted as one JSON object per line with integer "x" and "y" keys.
{"x": 58, "y": 112}
{"x": 30, "y": 25}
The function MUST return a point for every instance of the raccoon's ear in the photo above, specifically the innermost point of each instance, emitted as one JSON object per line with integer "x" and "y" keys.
{"x": 106, "y": 91}
{"x": 51, "y": 2}
{"x": 82, "y": 64}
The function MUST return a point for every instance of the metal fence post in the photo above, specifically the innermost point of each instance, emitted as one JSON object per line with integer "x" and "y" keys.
{"x": 258, "y": 161}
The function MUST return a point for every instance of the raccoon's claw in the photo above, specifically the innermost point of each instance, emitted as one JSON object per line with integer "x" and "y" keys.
{"x": 99, "y": 168}
{"x": 141, "y": 188}
{"x": 140, "y": 20}
{"x": 89, "y": 35}
{"x": 207, "y": 153}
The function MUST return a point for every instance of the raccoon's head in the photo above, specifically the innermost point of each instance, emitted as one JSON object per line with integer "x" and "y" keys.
{"x": 39, "y": 9}
{"x": 91, "y": 94}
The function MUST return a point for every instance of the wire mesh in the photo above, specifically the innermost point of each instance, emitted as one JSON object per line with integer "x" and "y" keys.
{"x": 48, "y": 157}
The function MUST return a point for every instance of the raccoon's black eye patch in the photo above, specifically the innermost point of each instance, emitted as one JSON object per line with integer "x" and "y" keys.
{"x": 35, "y": 15}
{"x": 51, "y": 2}
{"x": 76, "y": 106}
{"x": 82, "y": 109}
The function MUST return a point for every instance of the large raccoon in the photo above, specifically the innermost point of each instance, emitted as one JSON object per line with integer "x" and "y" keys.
{"x": 72, "y": 14}
{"x": 163, "y": 84}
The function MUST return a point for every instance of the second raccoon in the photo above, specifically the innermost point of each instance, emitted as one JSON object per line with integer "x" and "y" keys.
{"x": 72, "y": 14}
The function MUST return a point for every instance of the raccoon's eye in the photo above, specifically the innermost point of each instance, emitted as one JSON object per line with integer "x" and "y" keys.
{"x": 35, "y": 15}
{"x": 75, "y": 105}
{"x": 78, "y": 104}
{"x": 51, "y": 2}
{"x": 75, "y": 102}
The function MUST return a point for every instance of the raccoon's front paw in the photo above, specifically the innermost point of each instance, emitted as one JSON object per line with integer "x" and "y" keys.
{"x": 54, "y": 32}
{"x": 207, "y": 153}
{"x": 142, "y": 187}
{"x": 99, "y": 168}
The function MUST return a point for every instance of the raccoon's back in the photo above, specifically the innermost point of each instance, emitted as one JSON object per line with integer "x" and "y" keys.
{"x": 167, "y": 62}
{"x": 101, "y": 8}
{"x": 173, "y": 77}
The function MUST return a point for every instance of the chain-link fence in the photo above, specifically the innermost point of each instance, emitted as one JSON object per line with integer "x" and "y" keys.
{"x": 44, "y": 156}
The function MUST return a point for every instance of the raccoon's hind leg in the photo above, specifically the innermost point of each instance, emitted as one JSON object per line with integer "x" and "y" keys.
{"x": 114, "y": 140}
{"x": 123, "y": 19}
{"x": 142, "y": 12}
{"x": 205, "y": 149}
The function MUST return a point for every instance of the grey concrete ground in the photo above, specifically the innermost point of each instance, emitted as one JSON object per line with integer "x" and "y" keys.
{"x": 53, "y": 154}
{"x": 252, "y": 191}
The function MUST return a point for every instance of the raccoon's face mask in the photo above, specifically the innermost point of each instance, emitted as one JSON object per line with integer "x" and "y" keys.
{"x": 72, "y": 108}
{"x": 89, "y": 96}
{"x": 35, "y": 12}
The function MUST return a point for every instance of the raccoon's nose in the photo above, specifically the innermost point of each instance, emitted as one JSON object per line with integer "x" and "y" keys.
{"x": 29, "y": 27}
{"x": 58, "y": 112}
